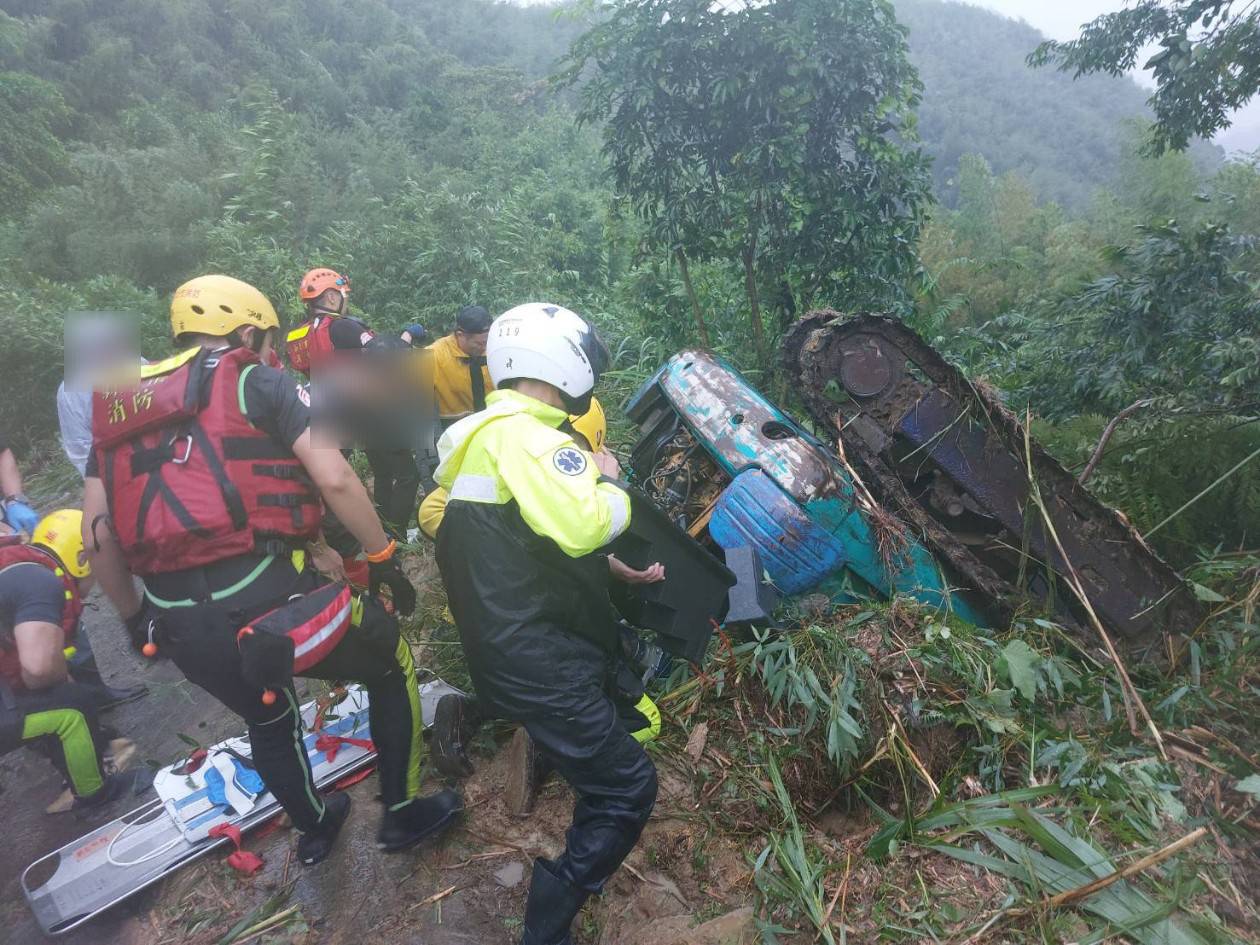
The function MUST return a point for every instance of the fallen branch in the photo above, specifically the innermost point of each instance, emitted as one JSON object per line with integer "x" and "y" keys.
{"x": 1137, "y": 866}
{"x": 476, "y": 858}
{"x": 841, "y": 892}
{"x": 265, "y": 925}
{"x": 1107, "y": 433}
{"x": 436, "y": 897}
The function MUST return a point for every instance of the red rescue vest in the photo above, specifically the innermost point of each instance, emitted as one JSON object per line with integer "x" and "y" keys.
{"x": 310, "y": 343}
{"x": 71, "y": 610}
{"x": 190, "y": 481}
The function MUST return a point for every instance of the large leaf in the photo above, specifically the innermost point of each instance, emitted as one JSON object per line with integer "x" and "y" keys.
{"x": 1066, "y": 862}
{"x": 1018, "y": 664}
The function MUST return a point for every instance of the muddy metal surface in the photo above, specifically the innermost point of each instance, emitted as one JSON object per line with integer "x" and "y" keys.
{"x": 947, "y": 456}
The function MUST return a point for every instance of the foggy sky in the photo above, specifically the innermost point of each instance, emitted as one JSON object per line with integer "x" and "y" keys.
{"x": 1062, "y": 19}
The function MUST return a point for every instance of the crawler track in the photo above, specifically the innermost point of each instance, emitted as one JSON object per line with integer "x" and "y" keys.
{"x": 944, "y": 454}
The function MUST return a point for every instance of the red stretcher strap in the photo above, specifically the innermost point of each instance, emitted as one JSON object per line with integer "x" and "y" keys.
{"x": 243, "y": 861}
{"x": 331, "y": 744}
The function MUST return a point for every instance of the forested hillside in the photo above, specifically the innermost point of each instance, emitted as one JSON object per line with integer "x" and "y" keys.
{"x": 417, "y": 144}
{"x": 684, "y": 173}
{"x": 1065, "y": 137}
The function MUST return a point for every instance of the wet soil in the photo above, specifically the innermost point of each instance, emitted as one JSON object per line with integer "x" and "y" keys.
{"x": 468, "y": 887}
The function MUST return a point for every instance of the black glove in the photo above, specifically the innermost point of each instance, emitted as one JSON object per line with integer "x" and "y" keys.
{"x": 143, "y": 628}
{"x": 390, "y": 574}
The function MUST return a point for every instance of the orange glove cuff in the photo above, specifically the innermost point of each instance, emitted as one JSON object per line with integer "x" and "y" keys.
{"x": 384, "y": 554}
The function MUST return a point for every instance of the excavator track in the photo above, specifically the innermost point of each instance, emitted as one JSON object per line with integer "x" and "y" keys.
{"x": 945, "y": 455}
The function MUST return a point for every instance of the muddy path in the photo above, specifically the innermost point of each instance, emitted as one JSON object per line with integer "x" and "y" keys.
{"x": 469, "y": 887}
{"x": 30, "y": 783}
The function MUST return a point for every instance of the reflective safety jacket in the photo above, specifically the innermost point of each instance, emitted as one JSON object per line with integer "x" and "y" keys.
{"x": 189, "y": 480}
{"x": 12, "y": 555}
{"x": 311, "y": 342}
{"x": 525, "y": 514}
{"x": 454, "y": 379}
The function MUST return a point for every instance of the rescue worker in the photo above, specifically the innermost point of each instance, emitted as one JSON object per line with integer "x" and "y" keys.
{"x": 457, "y": 717}
{"x": 527, "y": 510}
{"x": 461, "y": 379}
{"x": 204, "y": 482}
{"x": 41, "y": 597}
{"x": 16, "y": 507}
{"x": 82, "y": 661}
{"x": 328, "y": 328}
{"x": 395, "y": 476}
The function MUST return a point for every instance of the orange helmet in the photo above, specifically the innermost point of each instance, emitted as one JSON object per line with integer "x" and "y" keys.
{"x": 318, "y": 281}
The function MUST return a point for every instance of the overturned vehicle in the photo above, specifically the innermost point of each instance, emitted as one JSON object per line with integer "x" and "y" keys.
{"x": 926, "y": 486}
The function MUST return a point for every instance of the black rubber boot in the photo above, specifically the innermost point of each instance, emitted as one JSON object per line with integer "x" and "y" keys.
{"x": 552, "y": 906}
{"x": 424, "y": 817}
{"x": 528, "y": 769}
{"x": 455, "y": 721}
{"x": 315, "y": 845}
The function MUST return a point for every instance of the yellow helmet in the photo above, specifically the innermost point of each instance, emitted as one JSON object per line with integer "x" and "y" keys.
{"x": 217, "y": 305}
{"x": 61, "y": 532}
{"x": 593, "y": 425}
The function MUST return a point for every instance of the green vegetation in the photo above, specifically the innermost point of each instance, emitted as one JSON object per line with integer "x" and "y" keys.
{"x": 731, "y": 170}
{"x": 1065, "y": 138}
{"x": 1207, "y": 66}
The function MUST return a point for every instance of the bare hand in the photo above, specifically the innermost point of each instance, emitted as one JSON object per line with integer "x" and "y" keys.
{"x": 328, "y": 562}
{"x": 652, "y": 574}
{"x": 607, "y": 464}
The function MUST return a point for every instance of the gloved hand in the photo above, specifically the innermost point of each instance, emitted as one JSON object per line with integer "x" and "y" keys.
{"x": 20, "y": 515}
{"x": 389, "y": 573}
{"x": 142, "y": 630}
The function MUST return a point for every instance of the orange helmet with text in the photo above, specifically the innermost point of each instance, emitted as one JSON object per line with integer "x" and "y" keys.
{"x": 318, "y": 281}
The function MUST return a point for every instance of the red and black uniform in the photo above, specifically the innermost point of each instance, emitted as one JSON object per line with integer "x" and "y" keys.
{"x": 212, "y": 509}
{"x": 395, "y": 477}
{"x": 60, "y": 721}
{"x": 314, "y": 341}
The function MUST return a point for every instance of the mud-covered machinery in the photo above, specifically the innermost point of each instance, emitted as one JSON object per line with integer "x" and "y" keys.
{"x": 946, "y": 457}
{"x": 737, "y": 472}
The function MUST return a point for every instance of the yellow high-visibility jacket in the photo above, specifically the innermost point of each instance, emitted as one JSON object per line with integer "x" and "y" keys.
{"x": 452, "y": 379}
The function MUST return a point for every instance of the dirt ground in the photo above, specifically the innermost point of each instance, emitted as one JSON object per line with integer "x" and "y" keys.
{"x": 681, "y": 884}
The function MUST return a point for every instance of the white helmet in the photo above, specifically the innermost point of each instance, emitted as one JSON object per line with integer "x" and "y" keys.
{"x": 548, "y": 343}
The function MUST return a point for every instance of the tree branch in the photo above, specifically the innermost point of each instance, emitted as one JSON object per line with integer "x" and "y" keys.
{"x": 1103, "y": 440}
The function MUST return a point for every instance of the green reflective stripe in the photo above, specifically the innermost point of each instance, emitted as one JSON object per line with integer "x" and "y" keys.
{"x": 649, "y": 710}
{"x": 299, "y": 745}
{"x": 70, "y": 728}
{"x": 239, "y": 586}
{"x": 402, "y": 653}
{"x": 240, "y": 389}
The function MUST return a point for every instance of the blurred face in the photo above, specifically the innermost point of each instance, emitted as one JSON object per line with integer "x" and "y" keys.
{"x": 473, "y": 345}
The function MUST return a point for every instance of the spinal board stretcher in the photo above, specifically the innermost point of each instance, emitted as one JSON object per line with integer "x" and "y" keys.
{"x": 80, "y": 880}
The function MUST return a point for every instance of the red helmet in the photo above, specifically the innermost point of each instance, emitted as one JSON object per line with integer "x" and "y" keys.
{"x": 318, "y": 281}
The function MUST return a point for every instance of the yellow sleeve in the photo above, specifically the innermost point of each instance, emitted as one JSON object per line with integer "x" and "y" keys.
{"x": 558, "y": 492}
{"x": 432, "y": 510}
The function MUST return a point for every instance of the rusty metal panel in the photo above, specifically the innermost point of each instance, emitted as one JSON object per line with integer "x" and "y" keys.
{"x": 946, "y": 455}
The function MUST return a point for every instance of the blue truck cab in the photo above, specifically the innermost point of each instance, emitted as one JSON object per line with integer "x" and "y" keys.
{"x": 722, "y": 460}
